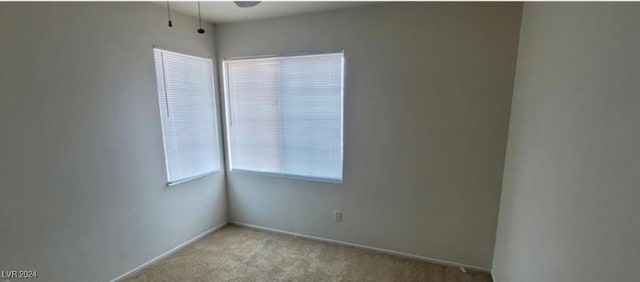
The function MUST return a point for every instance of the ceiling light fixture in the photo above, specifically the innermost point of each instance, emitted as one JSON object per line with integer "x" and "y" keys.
{"x": 200, "y": 30}
{"x": 169, "y": 14}
{"x": 246, "y": 4}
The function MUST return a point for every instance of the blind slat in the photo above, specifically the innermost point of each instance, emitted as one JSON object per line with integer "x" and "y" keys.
{"x": 286, "y": 115}
{"x": 185, "y": 89}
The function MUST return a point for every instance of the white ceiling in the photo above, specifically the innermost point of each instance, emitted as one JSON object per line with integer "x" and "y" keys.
{"x": 227, "y": 11}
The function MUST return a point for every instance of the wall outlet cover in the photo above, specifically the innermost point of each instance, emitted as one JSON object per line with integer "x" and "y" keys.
{"x": 337, "y": 216}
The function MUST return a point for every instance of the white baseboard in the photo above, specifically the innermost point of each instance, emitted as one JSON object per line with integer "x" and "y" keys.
{"x": 375, "y": 249}
{"x": 169, "y": 252}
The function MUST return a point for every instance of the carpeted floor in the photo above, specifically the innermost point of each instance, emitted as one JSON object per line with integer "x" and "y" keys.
{"x": 242, "y": 254}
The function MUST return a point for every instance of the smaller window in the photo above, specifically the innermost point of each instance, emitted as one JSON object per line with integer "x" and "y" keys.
{"x": 285, "y": 115}
{"x": 188, "y": 118}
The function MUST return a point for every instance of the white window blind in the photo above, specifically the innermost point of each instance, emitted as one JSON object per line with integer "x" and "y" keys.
{"x": 285, "y": 115}
{"x": 185, "y": 89}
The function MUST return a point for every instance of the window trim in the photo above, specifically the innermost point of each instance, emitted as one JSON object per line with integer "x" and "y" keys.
{"x": 228, "y": 123}
{"x": 220, "y": 160}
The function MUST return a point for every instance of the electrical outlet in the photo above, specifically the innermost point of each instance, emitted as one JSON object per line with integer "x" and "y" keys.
{"x": 337, "y": 216}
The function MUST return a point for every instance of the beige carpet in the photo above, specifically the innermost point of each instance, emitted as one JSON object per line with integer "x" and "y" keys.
{"x": 242, "y": 254}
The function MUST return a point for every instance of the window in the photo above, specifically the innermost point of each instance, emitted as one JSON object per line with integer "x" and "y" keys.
{"x": 185, "y": 89}
{"x": 285, "y": 115}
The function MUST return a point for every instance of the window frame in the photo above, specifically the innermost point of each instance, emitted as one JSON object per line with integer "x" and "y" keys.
{"x": 220, "y": 158}
{"x": 228, "y": 123}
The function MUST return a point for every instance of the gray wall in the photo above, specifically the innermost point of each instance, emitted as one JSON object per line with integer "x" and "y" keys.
{"x": 81, "y": 163}
{"x": 427, "y": 95}
{"x": 569, "y": 208}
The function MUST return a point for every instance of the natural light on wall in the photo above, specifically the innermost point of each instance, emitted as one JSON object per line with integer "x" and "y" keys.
{"x": 284, "y": 115}
{"x": 187, "y": 108}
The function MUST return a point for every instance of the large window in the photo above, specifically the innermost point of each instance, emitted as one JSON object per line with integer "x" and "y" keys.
{"x": 285, "y": 115}
{"x": 185, "y": 89}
